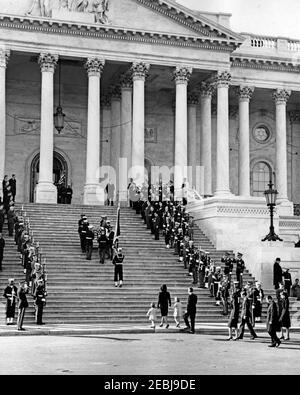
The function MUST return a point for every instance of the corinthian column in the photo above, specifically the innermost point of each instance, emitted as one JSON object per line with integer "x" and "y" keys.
{"x": 206, "y": 92}
{"x": 193, "y": 101}
{"x": 46, "y": 191}
{"x": 222, "y": 185}
{"x": 139, "y": 73}
{"x": 115, "y": 137}
{"x": 281, "y": 96}
{"x": 126, "y": 131}
{"x": 92, "y": 193}
{"x": 245, "y": 94}
{"x": 181, "y": 77}
{"x": 4, "y": 56}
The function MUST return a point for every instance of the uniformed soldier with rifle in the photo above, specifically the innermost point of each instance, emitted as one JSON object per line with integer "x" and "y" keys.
{"x": 39, "y": 302}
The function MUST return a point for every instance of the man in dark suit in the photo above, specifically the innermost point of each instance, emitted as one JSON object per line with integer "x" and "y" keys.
{"x": 13, "y": 186}
{"x": 277, "y": 273}
{"x": 191, "y": 311}
{"x": 273, "y": 322}
{"x": 246, "y": 316}
{"x": 22, "y": 304}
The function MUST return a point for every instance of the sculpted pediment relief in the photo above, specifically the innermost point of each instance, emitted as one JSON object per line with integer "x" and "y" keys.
{"x": 48, "y": 8}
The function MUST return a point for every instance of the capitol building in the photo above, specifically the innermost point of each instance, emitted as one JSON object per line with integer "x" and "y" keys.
{"x": 152, "y": 84}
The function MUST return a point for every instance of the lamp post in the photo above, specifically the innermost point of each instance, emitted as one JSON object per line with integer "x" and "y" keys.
{"x": 271, "y": 196}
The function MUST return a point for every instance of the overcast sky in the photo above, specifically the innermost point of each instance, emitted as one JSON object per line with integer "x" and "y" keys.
{"x": 269, "y": 17}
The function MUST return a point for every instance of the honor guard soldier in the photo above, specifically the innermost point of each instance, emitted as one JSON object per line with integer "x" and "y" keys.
{"x": 156, "y": 225}
{"x": 69, "y": 194}
{"x": 110, "y": 241}
{"x": 39, "y": 302}
{"x": 84, "y": 230}
{"x": 118, "y": 263}
{"x": 2, "y": 245}
{"x": 10, "y": 294}
{"x": 240, "y": 267}
{"x": 80, "y": 227}
{"x": 2, "y": 217}
{"x": 22, "y": 304}
{"x": 228, "y": 262}
{"x": 102, "y": 243}
{"x": 89, "y": 242}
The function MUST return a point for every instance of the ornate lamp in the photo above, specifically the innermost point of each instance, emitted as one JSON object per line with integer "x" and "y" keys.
{"x": 271, "y": 196}
{"x": 59, "y": 116}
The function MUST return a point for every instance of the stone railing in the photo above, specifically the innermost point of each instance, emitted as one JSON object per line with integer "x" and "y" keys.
{"x": 277, "y": 45}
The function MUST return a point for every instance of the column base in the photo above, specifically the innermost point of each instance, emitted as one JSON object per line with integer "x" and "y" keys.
{"x": 284, "y": 208}
{"x": 123, "y": 198}
{"x": 46, "y": 192}
{"x": 93, "y": 195}
{"x": 223, "y": 194}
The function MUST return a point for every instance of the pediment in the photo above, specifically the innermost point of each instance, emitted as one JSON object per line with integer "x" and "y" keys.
{"x": 163, "y": 16}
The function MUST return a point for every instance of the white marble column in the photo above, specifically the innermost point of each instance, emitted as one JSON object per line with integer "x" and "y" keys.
{"x": 115, "y": 136}
{"x": 92, "y": 192}
{"x": 46, "y": 191}
{"x": 126, "y": 132}
{"x": 181, "y": 77}
{"x": 106, "y": 127}
{"x": 206, "y": 93}
{"x": 139, "y": 73}
{"x": 244, "y": 94}
{"x": 281, "y": 97}
{"x": 4, "y": 56}
{"x": 222, "y": 183}
{"x": 193, "y": 101}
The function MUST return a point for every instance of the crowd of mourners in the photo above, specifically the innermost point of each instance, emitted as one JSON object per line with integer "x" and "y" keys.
{"x": 242, "y": 301}
{"x": 34, "y": 271}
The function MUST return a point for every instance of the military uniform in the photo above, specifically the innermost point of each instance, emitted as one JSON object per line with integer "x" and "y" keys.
{"x": 240, "y": 267}
{"x": 2, "y": 245}
{"x": 118, "y": 263}
{"x": 89, "y": 242}
{"x": 102, "y": 242}
{"x": 10, "y": 294}
{"x": 40, "y": 302}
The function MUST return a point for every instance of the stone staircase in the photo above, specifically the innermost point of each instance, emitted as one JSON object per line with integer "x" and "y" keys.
{"x": 83, "y": 292}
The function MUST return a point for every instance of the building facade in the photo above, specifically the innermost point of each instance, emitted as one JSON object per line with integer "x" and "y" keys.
{"x": 155, "y": 84}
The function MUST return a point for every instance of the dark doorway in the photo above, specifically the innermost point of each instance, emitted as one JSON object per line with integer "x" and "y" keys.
{"x": 60, "y": 172}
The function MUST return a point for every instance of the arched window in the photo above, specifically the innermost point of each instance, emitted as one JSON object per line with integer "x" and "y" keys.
{"x": 261, "y": 175}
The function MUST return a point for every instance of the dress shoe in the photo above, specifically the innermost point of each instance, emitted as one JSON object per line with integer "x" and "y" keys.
{"x": 21, "y": 329}
{"x": 278, "y": 343}
{"x": 167, "y": 326}
{"x": 281, "y": 338}
{"x": 272, "y": 345}
{"x": 287, "y": 338}
{"x": 161, "y": 325}
{"x": 229, "y": 338}
{"x": 254, "y": 337}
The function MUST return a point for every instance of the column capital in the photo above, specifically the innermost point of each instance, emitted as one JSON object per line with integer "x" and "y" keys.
{"x": 126, "y": 80}
{"x": 193, "y": 99}
{"x": 223, "y": 79}
{"x": 206, "y": 89}
{"x": 182, "y": 74}
{"x": 94, "y": 66}
{"x": 4, "y": 57}
{"x": 281, "y": 96}
{"x": 115, "y": 92}
{"x": 244, "y": 92}
{"x": 48, "y": 62}
{"x": 139, "y": 70}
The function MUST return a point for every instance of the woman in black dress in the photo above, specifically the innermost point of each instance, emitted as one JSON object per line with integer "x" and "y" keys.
{"x": 234, "y": 314}
{"x": 284, "y": 318}
{"x": 164, "y": 301}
